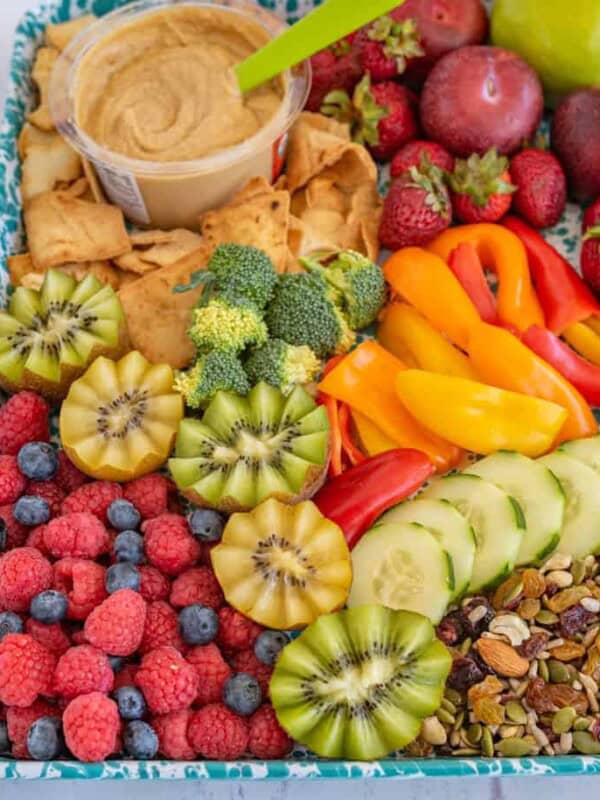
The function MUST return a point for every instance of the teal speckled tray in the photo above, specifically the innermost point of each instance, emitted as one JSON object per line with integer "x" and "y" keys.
{"x": 300, "y": 765}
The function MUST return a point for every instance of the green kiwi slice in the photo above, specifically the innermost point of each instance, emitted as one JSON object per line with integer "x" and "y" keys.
{"x": 357, "y": 684}
{"x": 246, "y": 449}
{"x": 49, "y": 337}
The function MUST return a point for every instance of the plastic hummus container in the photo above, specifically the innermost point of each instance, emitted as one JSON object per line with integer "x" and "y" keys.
{"x": 147, "y": 94}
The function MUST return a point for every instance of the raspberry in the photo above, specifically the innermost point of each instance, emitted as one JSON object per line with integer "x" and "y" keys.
{"x": 52, "y": 637}
{"x": 91, "y": 726}
{"x": 213, "y": 671}
{"x": 68, "y": 477}
{"x": 168, "y": 682}
{"x": 92, "y": 497}
{"x": 149, "y": 494}
{"x": 217, "y": 733}
{"x": 161, "y": 628}
{"x": 16, "y": 534}
{"x": 169, "y": 544}
{"x": 81, "y": 670}
{"x": 19, "y": 720}
{"x": 26, "y": 669}
{"x": 197, "y": 585}
{"x": 12, "y": 480}
{"x": 48, "y": 491}
{"x": 246, "y": 661}
{"x": 35, "y": 539}
{"x": 236, "y": 632}
{"x": 78, "y": 637}
{"x": 24, "y": 572}
{"x": 154, "y": 585}
{"x": 75, "y": 535}
{"x": 23, "y": 418}
{"x": 126, "y": 676}
{"x": 267, "y": 738}
{"x": 117, "y": 624}
{"x": 83, "y": 583}
{"x": 171, "y": 730}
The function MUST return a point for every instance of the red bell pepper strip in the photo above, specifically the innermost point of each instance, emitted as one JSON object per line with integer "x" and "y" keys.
{"x": 564, "y": 297}
{"x": 581, "y": 373}
{"x": 355, "y": 499}
{"x": 353, "y": 453}
{"x": 466, "y": 265}
{"x": 336, "y": 466}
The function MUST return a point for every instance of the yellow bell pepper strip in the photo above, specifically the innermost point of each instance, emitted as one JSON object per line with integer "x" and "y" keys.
{"x": 504, "y": 361}
{"x": 426, "y": 282}
{"x": 478, "y": 417}
{"x": 365, "y": 380}
{"x": 584, "y": 339}
{"x": 372, "y": 439}
{"x": 501, "y": 251}
{"x": 403, "y": 330}
{"x": 594, "y": 324}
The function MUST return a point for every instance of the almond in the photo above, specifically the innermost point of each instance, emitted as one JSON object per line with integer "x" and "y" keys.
{"x": 502, "y": 658}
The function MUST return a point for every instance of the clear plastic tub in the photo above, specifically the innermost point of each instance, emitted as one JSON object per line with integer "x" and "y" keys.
{"x": 170, "y": 194}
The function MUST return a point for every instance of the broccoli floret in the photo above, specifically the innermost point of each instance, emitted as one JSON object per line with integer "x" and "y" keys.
{"x": 303, "y": 311}
{"x": 214, "y": 372}
{"x": 226, "y": 324}
{"x": 358, "y": 283}
{"x": 282, "y": 365}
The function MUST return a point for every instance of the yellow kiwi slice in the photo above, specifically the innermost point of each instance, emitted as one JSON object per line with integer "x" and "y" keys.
{"x": 120, "y": 418}
{"x": 48, "y": 337}
{"x": 283, "y": 566}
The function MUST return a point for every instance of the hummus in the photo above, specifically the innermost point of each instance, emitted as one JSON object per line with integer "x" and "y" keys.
{"x": 162, "y": 87}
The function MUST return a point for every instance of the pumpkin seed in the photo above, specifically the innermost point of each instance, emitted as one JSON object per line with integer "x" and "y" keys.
{"x": 474, "y": 733}
{"x": 448, "y": 705}
{"x": 513, "y": 747}
{"x": 563, "y": 719}
{"x": 578, "y": 571}
{"x": 466, "y": 751}
{"x": 543, "y": 671}
{"x": 445, "y": 716}
{"x": 581, "y": 724}
{"x": 460, "y": 718}
{"x": 584, "y": 742}
{"x": 515, "y": 712}
{"x": 454, "y": 696}
{"x": 546, "y": 617}
{"x": 465, "y": 646}
{"x": 487, "y": 743}
{"x": 558, "y": 672}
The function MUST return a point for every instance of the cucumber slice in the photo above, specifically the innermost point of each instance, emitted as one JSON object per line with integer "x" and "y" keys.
{"x": 585, "y": 450}
{"x": 581, "y": 485}
{"x": 538, "y": 493}
{"x": 401, "y": 566}
{"x": 496, "y": 519}
{"x": 449, "y": 527}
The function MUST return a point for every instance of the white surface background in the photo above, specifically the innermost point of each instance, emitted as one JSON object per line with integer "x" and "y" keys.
{"x": 438, "y": 789}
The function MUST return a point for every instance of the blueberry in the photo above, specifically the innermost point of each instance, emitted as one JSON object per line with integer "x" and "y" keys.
{"x": 268, "y": 646}
{"x": 129, "y": 546}
{"x": 4, "y": 740}
{"x": 242, "y": 694}
{"x": 10, "y": 623}
{"x": 31, "y": 510}
{"x": 123, "y": 515}
{"x": 140, "y": 740}
{"x": 116, "y": 663}
{"x": 3, "y": 534}
{"x": 130, "y": 701}
{"x": 206, "y": 525}
{"x": 44, "y": 739}
{"x": 38, "y": 461}
{"x": 198, "y": 624}
{"x": 49, "y": 606}
{"x": 122, "y": 576}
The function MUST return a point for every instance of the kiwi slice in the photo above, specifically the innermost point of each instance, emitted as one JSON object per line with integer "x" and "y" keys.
{"x": 283, "y": 565}
{"x": 357, "y": 684}
{"x": 49, "y": 336}
{"x": 246, "y": 449}
{"x": 119, "y": 420}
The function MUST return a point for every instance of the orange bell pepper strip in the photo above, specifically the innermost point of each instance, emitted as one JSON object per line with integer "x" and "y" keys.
{"x": 372, "y": 439}
{"x": 426, "y": 282}
{"x": 336, "y": 466}
{"x": 352, "y": 452}
{"x": 504, "y": 361}
{"x": 583, "y": 337}
{"x": 365, "y": 381}
{"x": 402, "y": 330}
{"x": 478, "y": 417}
{"x": 466, "y": 265}
{"x": 501, "y": 251}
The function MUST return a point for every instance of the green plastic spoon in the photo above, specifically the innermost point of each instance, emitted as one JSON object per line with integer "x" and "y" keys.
{"x": 323, "y": 26}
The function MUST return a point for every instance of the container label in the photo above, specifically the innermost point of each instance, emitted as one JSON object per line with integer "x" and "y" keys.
{"x": 123, "y": 190}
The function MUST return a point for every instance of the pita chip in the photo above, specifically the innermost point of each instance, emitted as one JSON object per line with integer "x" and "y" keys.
{"x": 47, "y": 165}
{"x": 155, "y": 249}
{"x": 19, "y": 266}
{"x": 42, "y": 70}
{"x": 316, "y": 142}
{"x": 96, "y": 189}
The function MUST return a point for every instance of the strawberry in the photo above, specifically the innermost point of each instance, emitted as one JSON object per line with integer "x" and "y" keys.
{"x": 336, "y": 67}
{"x": 381, "y": 116}
{"x": 416, "y": 209}
{"x": 541, "y": 193}
{"x": 481, "y": 187}
{"x": 412, "y": 153}
{"x": 590, "y": 251}
{"x": 385, "y": 46}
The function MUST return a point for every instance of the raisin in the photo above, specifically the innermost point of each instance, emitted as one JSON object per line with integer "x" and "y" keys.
{"x": 545, "y": 697}
{"x": 532, "y": 647}
{"x": 475, "y": 619}
{"x": 451, "y": 629}
{"x": 595, "y": 729}
{"x": 575, "y": 619}
{"x": 465, "y": 672}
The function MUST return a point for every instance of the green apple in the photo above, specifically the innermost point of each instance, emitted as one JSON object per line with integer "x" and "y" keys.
{"x": 559, "y": 38}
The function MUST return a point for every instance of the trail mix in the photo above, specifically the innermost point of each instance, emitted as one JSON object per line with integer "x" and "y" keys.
{"x": 526, "y": 667}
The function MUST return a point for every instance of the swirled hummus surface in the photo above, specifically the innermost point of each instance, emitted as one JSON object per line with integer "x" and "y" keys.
{"x": 161, "y": 88}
